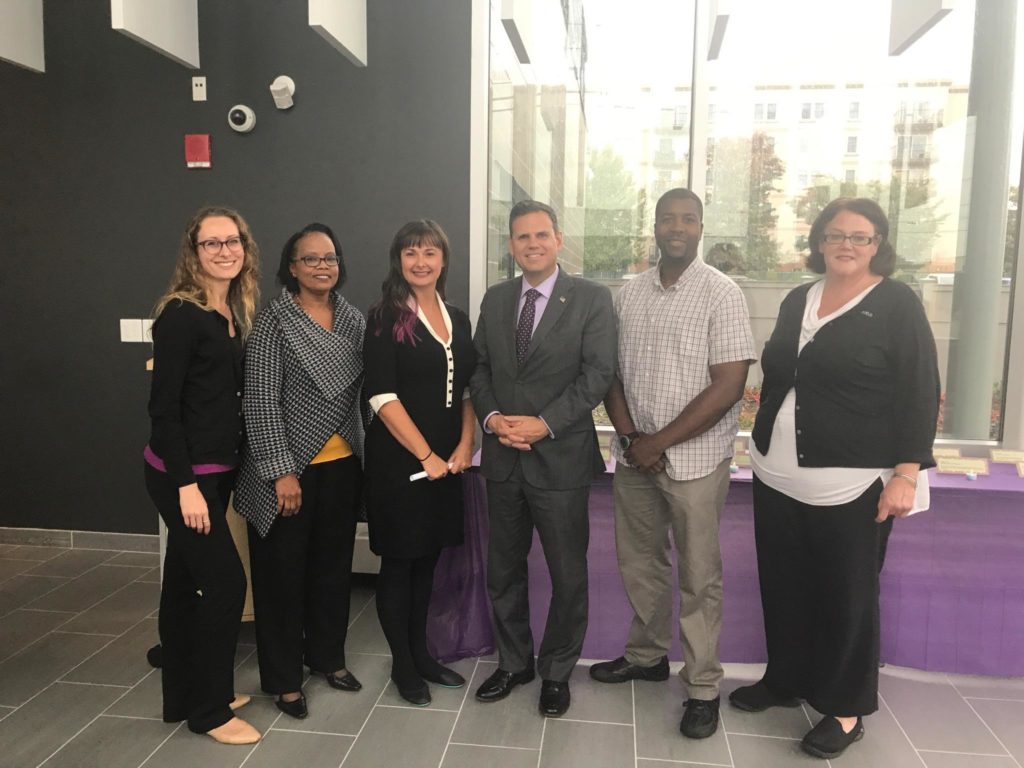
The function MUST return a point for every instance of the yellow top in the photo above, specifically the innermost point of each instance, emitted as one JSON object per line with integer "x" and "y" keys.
{"x": 336, "y": 447}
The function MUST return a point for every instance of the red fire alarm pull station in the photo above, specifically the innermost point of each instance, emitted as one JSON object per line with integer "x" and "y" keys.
{"x": 197, "y": 150}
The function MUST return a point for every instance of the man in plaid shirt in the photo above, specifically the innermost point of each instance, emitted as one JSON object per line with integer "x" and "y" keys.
{"x": 684, "y": 350}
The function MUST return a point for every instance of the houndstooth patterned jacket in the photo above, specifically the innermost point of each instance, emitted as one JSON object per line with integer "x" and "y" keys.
{"x": 302, "y": 384}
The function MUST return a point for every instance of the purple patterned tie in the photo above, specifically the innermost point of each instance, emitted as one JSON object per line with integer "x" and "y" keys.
{"x": 524, "y": 331}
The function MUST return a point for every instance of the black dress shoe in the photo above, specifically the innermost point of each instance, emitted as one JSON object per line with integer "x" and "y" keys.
{"x": 827, "y": 739}
{"x": 296, "y": 709}
{"x": 435, "y": 673}
{"x": 554, "y": 698}
{"x": 759, "y": 697}
{"x": 500, "y": 684}
{"x": 621, "y": 671}
{"x": 418, "y": 696}
{"x": 700, "y": 718}
{"x": 345, "y": 682}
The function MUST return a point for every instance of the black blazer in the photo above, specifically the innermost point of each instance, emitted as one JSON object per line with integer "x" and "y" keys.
{"x": 568, "y": 369}
{"x": 867, "y": 385}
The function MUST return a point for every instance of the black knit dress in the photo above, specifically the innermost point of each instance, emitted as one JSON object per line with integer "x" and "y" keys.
{"x": 413, "y": 519}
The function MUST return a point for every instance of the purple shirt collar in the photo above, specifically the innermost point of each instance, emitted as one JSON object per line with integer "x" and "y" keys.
{"x": 544, "y": 288}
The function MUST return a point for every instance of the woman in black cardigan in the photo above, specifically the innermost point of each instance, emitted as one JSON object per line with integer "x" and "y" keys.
{"x": 299, "y": 485}
{"x": 195, "y": 406}
{"x": 845, "y": 426}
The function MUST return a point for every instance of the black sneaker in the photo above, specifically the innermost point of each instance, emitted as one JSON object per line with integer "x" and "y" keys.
{"x": 827, "y": 739}
{"x": 700, "y": 718}
{"x": 759, "y": 697}
{"x": 620, "y": 671}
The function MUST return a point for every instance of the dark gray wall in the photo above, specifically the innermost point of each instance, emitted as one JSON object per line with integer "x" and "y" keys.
{"x": 94, "y": 194}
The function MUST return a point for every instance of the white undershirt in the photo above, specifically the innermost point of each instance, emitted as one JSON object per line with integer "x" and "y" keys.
{"x": 818, "y": 486}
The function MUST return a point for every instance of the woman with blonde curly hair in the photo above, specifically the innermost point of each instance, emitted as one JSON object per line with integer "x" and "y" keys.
{"x": 195, "y": 407}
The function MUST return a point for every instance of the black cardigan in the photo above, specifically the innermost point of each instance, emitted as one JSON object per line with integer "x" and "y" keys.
{"x": 195, "y": 403}
{"x": 867, "y": 385}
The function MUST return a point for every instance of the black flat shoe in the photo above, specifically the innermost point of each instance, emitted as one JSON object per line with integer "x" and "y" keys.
{"x": 500, "y": 684}
{"x": 758, "y": 697}
{"x": 296, "y": 709}
{"x": 435, "y": 673}
{"x": 345, "y": 682}
{"x": 418, "y": 697}
{"x": 622, "y": 671}
{"x": 827, "y": 739}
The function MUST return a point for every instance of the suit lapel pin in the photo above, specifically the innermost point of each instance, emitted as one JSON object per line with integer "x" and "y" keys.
{"x": 562, "y": 299}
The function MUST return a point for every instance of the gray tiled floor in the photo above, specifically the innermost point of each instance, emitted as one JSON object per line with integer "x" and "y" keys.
{"x": 75, "y": 690}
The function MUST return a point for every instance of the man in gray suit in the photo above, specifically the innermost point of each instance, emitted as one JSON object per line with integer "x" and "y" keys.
{"x": 546, "y": 357}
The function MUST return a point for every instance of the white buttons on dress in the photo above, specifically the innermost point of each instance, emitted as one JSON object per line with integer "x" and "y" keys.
{"x": 451, "y": 374}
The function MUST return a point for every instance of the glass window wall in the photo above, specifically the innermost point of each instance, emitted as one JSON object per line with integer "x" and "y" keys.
{"x": 901, "y": 130}
{"x": 591, "y": 108}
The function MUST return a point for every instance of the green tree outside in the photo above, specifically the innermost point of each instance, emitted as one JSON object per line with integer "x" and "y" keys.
{"x": 610, "y": 231}
{"x": 765, "y": 169}
{"x": 912, "y": 229}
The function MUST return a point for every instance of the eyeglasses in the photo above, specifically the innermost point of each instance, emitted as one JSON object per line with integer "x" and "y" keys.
{"x": 331, "y": 260}
{"x": 213, "y": 247}
{"x": 834, "y": 238}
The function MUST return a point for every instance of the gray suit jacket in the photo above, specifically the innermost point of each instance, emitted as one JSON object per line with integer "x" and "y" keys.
{"x": 568, "y": 369}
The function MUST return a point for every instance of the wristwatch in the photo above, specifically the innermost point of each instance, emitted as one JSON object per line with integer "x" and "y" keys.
{"x": 627, "y": 440}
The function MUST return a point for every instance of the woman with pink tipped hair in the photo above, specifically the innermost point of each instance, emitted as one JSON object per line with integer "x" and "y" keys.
{"x": 418, "y": 356}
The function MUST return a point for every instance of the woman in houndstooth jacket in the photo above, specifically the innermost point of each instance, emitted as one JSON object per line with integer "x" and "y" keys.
{"x": 299, "y": 485}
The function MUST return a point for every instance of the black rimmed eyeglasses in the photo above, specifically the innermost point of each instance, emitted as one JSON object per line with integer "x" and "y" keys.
{"x": 213, "y": 247}
{"x": 835, "y": 238}
{"x": 331, "y": 260}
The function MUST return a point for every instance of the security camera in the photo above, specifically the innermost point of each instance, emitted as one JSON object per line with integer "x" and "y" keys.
{"x": 241, "y": 118}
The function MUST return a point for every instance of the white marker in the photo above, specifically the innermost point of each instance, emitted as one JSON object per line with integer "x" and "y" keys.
{"x": 421, "y": 475}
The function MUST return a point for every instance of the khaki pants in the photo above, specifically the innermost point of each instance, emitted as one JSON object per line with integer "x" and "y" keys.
{"x": 647, "y": 507}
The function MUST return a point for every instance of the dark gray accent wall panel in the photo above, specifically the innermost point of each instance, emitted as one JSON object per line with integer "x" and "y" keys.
{"x": 94, "y": 193}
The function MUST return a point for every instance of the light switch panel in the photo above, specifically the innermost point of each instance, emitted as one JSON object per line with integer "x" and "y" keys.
{"x": 131, "y": 330}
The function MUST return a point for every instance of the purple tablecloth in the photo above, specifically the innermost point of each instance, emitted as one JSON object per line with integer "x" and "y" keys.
{"x": 952, "y": 588}
{"x": 459, "y": 623}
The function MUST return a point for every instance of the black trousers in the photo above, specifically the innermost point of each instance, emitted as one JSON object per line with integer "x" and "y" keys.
{"x": 515, "y": 508}
{"x": 301, "y": 578}
{"x": 819, "y": 570}
{"x": 201, "y": 602}
{"x": 403, "y": 600}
